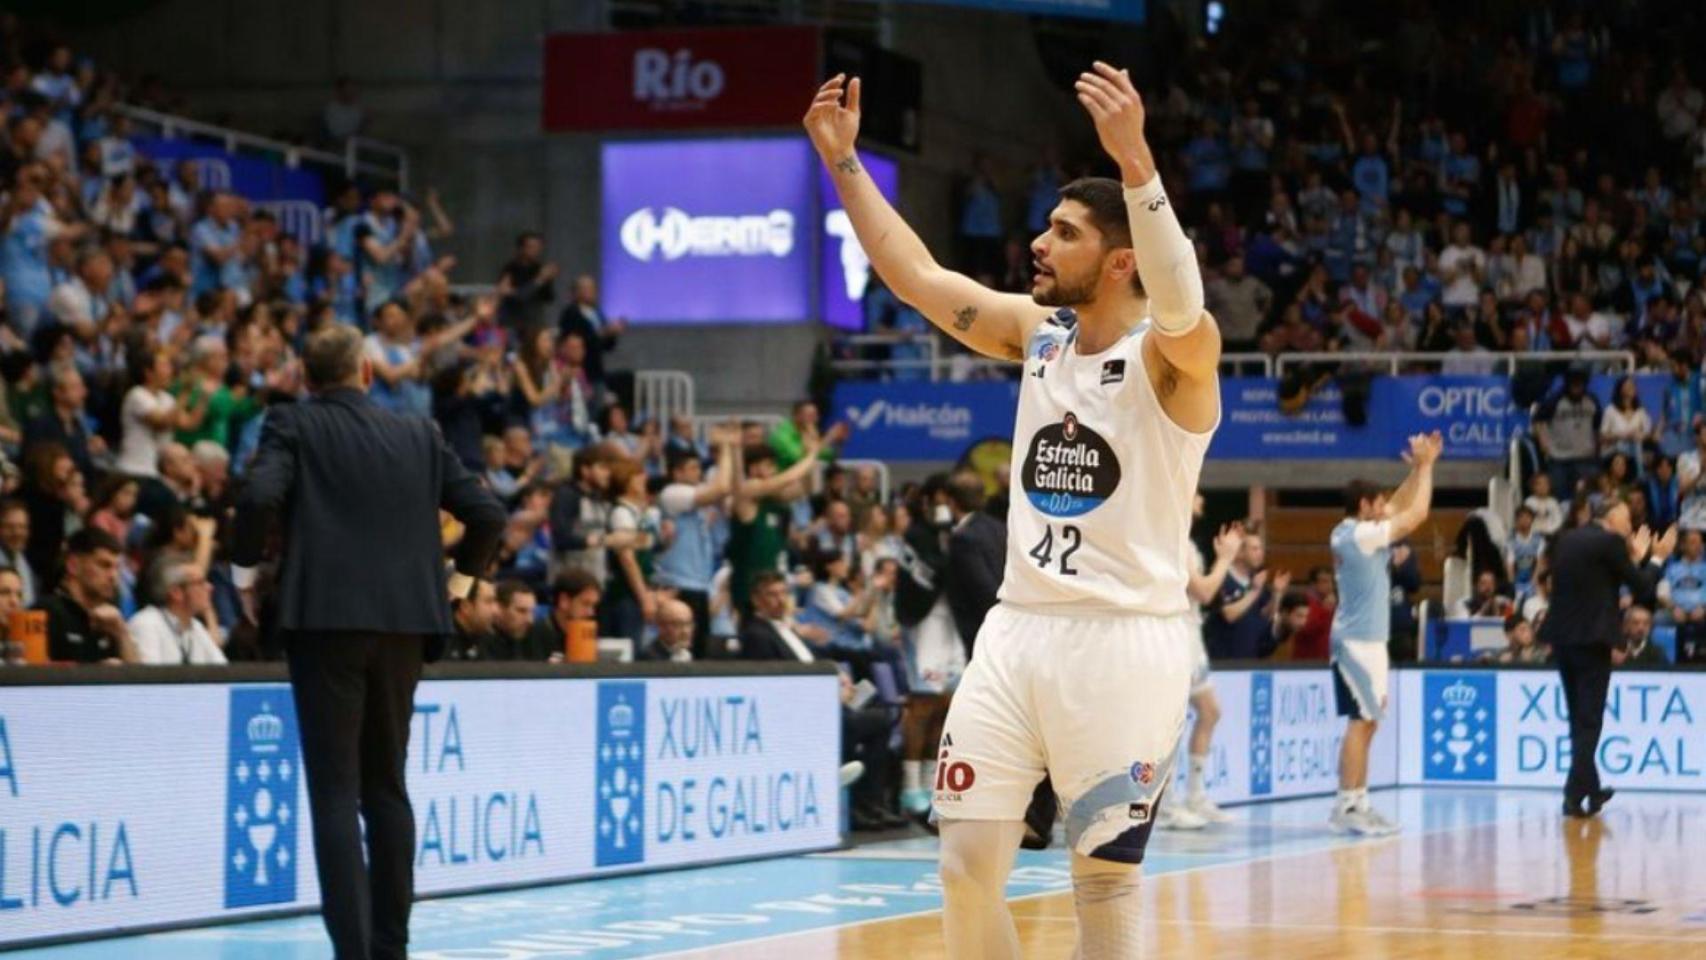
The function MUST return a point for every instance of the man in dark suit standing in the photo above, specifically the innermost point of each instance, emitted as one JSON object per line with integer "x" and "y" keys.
{"x": 977, "y": 557}
{"x": 356, "y": 491}
{"x": 1590, "y": 564}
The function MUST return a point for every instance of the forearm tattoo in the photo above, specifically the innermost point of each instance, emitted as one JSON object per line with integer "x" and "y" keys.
{"x": 964, "y": 317}
{"x": 848, "y": 164}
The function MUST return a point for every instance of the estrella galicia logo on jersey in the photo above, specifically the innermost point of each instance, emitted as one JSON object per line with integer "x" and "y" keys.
{"x": 1261, "y": 734}
{"x": 1070, "y": 470}
{"x": 1460, "y": 713}
{"x": 262, "y": 769}
{"x": 619, "y": 800}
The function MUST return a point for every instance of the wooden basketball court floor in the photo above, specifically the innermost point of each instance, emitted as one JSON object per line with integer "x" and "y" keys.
{"x": 1475, "y": 873}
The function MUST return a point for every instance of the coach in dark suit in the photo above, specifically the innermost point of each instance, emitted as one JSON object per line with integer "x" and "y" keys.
{"x": 356, "y": 492}
{"x": 977, "y": 557}
{"x": 1590, "y": 564}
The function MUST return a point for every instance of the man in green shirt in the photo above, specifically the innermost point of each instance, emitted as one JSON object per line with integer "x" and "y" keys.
{"x": 215, "y": 411}
{"x": 788, "y": 439}
{"x": 758, "y": 527}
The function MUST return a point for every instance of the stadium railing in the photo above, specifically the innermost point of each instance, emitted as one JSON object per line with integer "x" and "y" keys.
{"x": 1510, "y": 361}
{"x": 361, "y": 156}
{"x": 663, "y": 394}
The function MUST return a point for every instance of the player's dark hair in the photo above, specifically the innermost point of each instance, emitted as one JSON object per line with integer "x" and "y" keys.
{"x": 1355, "y": 493}
{"x": 1105, "y": 199}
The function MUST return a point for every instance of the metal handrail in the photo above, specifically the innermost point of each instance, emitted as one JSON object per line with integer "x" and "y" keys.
{"x": 1510, "y": 360}
{"x": 349, "y": 160}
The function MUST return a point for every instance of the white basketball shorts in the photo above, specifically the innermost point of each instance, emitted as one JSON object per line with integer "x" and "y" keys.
{"x": 1095, "y": 702}
{"x": 1360, "y": 670}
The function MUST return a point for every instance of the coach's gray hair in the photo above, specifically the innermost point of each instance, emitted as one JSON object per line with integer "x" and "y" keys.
{"x": 333, "y": 356}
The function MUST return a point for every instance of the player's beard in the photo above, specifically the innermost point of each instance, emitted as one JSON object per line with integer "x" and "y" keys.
{"x": 1065, "y": 292}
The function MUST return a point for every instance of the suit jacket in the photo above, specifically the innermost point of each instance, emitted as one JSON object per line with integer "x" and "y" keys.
{"x": 977, "y": 558}
{"x": 760, "y": 640}
{"x": 356, "y": 490}
{"x": 1589, "y": 565}
{"x": 597, "y": 339}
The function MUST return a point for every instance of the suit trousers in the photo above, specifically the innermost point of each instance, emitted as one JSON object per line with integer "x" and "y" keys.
{"x": 1585, "y": 670}
{"x": 354, "y": 697}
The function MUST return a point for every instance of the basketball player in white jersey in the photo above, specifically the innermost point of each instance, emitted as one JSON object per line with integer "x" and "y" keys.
{"x": 1194, "y": 810}
{"x": 1362, "y": 566}
{"x": 1083, "y": 669}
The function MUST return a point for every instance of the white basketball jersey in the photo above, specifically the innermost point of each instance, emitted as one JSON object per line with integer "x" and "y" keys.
{"x": 1102, "y": 482}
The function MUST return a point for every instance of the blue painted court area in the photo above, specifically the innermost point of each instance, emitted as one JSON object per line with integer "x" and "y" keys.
{"x": 673, "y": 914}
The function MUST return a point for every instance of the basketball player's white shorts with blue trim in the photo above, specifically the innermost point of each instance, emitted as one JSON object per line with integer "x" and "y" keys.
{"x": 1095, "y": 702}
{"x": 1360, "y": 669}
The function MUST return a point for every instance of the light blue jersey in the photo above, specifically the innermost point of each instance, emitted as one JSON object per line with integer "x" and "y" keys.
{"x": 1362, "y": 551}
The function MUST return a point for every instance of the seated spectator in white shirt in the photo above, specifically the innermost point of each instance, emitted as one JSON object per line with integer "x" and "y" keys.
{"x": 181, "y": 629}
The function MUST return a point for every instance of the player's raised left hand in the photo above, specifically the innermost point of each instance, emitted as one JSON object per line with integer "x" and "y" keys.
{"x": 1117, "y": 109}
{"x": 832, "y": 125}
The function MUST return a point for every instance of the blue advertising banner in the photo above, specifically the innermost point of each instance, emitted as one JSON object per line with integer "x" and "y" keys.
{"x": 708, "y": 231}
{"x": 1129, "y": 11}
{"x": 1475, "y": 415}
{"x": 295, "y": 196}
{"x": 924, "y": 421}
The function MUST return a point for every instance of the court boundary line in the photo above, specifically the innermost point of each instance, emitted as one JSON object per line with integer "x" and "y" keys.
{"x": 1022, "y": 898}
{"x": 1399, "y": 931}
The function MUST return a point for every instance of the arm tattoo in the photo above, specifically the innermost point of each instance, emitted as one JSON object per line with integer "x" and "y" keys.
{"x": 848, "y": 164}
{"x": 964, "y": 317}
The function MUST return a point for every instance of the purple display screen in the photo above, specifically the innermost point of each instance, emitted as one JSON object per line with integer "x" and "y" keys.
{"x": 842, "y": 265}
{"x": 708, "y": 231}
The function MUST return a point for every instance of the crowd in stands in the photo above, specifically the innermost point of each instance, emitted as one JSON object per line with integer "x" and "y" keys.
{"x": 1516, "y": 178}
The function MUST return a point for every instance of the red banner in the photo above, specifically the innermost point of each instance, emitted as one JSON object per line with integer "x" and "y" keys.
{"x": 674, "y": 79}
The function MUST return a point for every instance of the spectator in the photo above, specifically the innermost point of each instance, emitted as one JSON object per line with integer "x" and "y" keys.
{"x": 838, "y": 604}
{"x": 575, "y": 597}
{"x": 770, "y": 632}
{"x": 693, "y": 513}
{"x": 1310, "y": 641}
{"x": 113, "y": 508}
{"x": 1637, "y": 651}
{"x": 81, "y": 302}
{"x": 527, "y": 549}
{"x": 29, "y": 229}
{"x": 788, "y": 439}
{"x": 1463, "y": 266}
{"x": 1240, "y": 623}
{"x": 1567, "y": 428}
{"x": 1467, "y": 357}
{"x": 211, "y": 409}
{"x": 1520, "y": 645}
{"x": 83, "y": 626}
{"x": 834, "y": 533}
{"x": 976, "y": 559}
{"x": 759, "y": 519}
{"x": 1406, "y": 583}
{"x": 384, "y": 238}
{"x": 475, "y": 618}
{"x": 676, "y": 632}
{"x": 1691, "y": 484}
{"x": 525, "y": 285}
{"x": 1548, "y": 513}
{"x": 1533, "y": 607}
{"x": 586, "y": 319}
{"x": 1625, "y": 426}
{"x": 1663, "y": 498}
{"x": 629, "y": 603}
{"x": 1682, "y": 591}
{"x": 54, "y": 490}
{"x": 1523, "y": 551}
{"x": 67, "y": 423}
{"x": 181, "y": 537}
{"x": 865, "y": 736}
{"x": 11, "y": 593}
{"x": 14, "y": 539}
{"x": 398, "y": 357}
{"x": 1240, "y": 304}
{"x": 343, "y": 115}
{"x": 149, "y": 415}
{"x": 1682, "y": 406}
{"x": 981, "y": 222}
{"x": 216, "y": 248}
{"x": 1485, "y": 601}
{"x": 512, "y": 636}
{"x": 181, "y": 628}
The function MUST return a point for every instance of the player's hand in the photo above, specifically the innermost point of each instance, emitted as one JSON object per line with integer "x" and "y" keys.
{"x": 832, "y": 125}
{"x": 1664, "y": 546}
{"x": 1117, "y": 109}
{"x": 1228, "y": 541}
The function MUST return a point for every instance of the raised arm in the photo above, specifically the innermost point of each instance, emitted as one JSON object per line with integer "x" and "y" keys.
{"x": 1410, "y": 503}
{"x": 993, "y": 324}
{"x": 1188, "y": 341}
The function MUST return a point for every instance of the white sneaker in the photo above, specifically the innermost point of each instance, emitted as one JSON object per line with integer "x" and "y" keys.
{"x": 1202, "y": 806}
{"x": 1364, "y": 822}
{"x": 1179, "y": 816}
{"x": 851, "y": 771}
